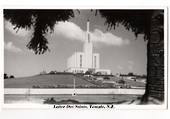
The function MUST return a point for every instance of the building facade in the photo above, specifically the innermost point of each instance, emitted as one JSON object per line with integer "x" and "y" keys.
{"x": 80, "y": 62}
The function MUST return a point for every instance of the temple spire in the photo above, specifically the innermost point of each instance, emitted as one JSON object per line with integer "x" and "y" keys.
{"x": 88, "y": 31}
{"x": 88, "y": 25}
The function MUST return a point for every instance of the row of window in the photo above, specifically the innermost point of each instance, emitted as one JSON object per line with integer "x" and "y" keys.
{"x": 78, "y": 71}
{"x": 81, "y": 60}
{"x": 81, "y": 57}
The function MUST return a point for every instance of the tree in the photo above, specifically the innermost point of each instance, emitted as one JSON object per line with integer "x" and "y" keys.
{"x": 52, "y": 72}
{"x": 11, "y": 76}
{"x": 121, "y": 81}
{"x": 5, "y": 76}
{"x": 98, "y": 73}
{"x": 42, "y": 22}
{"x": 88, "y": 73}
{"x": 130, "y": 74}
{"x": 150, "y": 23}
{"x": 106, "y": 77}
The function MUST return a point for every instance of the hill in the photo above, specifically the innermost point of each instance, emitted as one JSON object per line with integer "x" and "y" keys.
{"x": 46, "y": 81}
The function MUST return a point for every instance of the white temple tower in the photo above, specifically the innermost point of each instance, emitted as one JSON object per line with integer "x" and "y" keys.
{"x": 88, "y": 49}
{"x": 80, "y": 62}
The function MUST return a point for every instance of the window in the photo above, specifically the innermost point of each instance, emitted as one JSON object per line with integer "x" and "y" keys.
{"x": 88, "y": 38}
{"x": 94, "y": 61}
{"x": 81, "y": 60}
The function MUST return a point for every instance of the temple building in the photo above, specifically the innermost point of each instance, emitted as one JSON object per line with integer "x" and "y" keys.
{"x": 80, "y": 62}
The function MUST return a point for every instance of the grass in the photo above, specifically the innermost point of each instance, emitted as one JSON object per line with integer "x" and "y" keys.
{"x": 130, "y": 82}
{"x": 45, "y": 81}
{"x": 59, "y": 81}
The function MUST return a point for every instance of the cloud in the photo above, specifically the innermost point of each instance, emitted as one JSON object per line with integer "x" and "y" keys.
{"x": 130, "y": 65}
{"x": 73, "y": 32}
{"x": 20, "y": 32}
{"x": 11, "y": 47}
{"x": 120, "y": 67}
{"x": 70, "y": 31}
{"x": 107, "y": 38}
{"x": 130, "y": 62}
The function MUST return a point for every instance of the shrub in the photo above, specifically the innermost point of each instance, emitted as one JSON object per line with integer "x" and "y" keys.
{"x": 52, "y": 72}
{"x": 87, "y": 73}
{"x": 35, "y": 86}
{"x": 107, "y": 77}
{"x": 130, "y": 74}
{"x": 121, "y": 81}
{"x": 50, "y": 101}
{"x": 11, "y": 76}
{"x": 98, "y": 73}
{"x": 5, "y": 76}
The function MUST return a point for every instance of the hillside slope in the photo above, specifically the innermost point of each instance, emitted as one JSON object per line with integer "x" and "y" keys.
{"x": 45, "y": 81}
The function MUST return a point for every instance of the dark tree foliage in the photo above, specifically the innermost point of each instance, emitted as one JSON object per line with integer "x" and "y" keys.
{"x": 88, "y": 73}
{"x": 11, "y": 76}
{"x": 5, "y": 76}
{"x": 106, "y": 77}
{"x": 130, "y": 74}
{"x": 121, "y": 81}
{"x": 42, "y": 22}
{"x": 138, "y": 21}
{"x": 52, "y": 72}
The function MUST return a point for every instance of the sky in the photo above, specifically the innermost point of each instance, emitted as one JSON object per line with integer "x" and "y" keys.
{"x": 119, "y": 49}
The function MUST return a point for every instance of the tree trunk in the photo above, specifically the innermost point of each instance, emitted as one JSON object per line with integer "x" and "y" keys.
{"x": 155, "y": 60}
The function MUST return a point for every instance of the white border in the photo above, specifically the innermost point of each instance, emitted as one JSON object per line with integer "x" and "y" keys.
{"x": 127, "y": 107}
{"x": 82, "y": 7}
{"x": 1, "y": 62}
{"x": 85, "y": 114}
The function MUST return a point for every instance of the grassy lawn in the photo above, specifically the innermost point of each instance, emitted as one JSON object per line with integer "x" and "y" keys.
{"x": 130, "y": 82}
{"x": 45, "y": 80}
{"x": 59, "y": 81}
